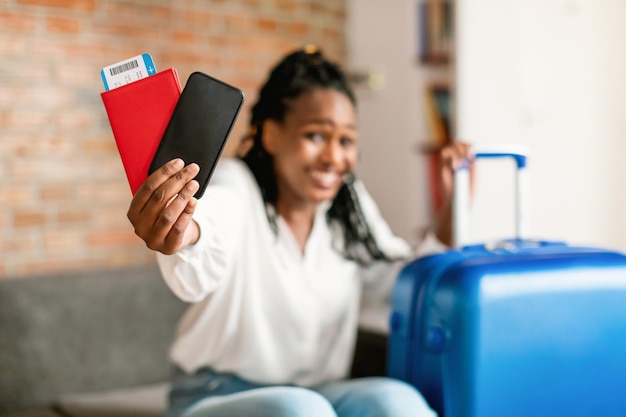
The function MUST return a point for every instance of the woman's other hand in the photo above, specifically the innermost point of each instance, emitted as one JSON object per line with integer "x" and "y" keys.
{"x": 161, "y": 211}
{"x": 451, "y": 158}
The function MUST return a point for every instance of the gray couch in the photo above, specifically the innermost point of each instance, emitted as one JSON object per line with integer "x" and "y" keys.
{"x": 94, "y": 344}
{"x": 90, "y": 343}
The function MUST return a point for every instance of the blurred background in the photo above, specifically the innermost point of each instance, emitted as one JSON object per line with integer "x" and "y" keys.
{"x": 546, "y": 74}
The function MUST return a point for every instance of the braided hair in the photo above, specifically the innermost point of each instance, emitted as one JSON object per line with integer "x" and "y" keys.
{"x": 300, "y": 72}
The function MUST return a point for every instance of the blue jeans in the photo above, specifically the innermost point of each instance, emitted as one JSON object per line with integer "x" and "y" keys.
{"x": 210, "y": 394}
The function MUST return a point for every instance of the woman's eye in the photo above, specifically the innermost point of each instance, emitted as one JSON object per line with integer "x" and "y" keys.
{"x": 346, "y": 142}
{"x": 315, "y": 136}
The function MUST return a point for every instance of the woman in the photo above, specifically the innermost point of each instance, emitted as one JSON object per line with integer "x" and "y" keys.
{"x": 274, "y": 258}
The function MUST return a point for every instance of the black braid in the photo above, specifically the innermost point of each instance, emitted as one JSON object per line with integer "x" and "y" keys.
{"x": 298, "y": 73}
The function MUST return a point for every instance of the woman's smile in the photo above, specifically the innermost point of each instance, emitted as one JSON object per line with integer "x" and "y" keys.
{"x": 325, "y": 179}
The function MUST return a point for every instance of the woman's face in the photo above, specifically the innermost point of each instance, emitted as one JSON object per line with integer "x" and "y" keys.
{"x": 314, "y": 147}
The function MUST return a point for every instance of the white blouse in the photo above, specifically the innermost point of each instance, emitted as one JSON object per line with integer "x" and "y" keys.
{"x": 261, "y": 309}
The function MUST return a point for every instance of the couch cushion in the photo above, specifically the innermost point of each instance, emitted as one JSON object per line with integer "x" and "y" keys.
{"x": 82, "y": 332}
{"x": 33, "y": 413}
{"x": 146, "y": 401}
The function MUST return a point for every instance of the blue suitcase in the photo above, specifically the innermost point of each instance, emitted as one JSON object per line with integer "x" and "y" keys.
{"x": 520, "y": 328}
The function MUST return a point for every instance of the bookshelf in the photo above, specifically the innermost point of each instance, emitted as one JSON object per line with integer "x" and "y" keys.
{"x": 435, "y": 23}
{"x": 396, "y": 128}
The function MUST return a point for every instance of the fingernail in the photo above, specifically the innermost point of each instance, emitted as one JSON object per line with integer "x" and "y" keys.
{"x": 178, "y": 163}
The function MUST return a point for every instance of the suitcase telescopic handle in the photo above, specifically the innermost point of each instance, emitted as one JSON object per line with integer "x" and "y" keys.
{"x": 460, "y": 203}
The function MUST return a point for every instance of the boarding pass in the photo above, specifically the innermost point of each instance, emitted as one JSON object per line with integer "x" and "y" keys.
{"x": 127, "y": 71}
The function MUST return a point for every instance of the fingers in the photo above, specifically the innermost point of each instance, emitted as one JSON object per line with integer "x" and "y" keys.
{"x": 162, "y": 196}
{"x": 164, "y": 204}
{"x": 179, "y": 230}
{"x": 154, "y": 181}
{"x": 452, "y": 157}
{"x": 455, "y": 155}
{"x": 168, "y": 229}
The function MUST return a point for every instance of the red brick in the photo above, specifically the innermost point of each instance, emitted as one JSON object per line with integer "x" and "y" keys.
{"x": 332, "y": 35}
{"x": 13, "y": 196}
{"x": 62, "y": 25}
{"x": 52, "y": 49}
{"x": 140, "y": 255}
{"x": 196, "y": 60}
{"x": 126, "y": 31}
{"x": 12, "y": 45}
{"x": 267, "y": 25}
{"x": 223, "y": 42}
{"x": 56, "y": 192}
{"x": 18, "y": 22}
{"x": 88, "y": 5}
{"x": 45, "y": 266}
{"x": 78, "y": 73}
{"x": 54, "y": 168}
{"x": 137, "y": 11}
{"x": 98, "y": 147}
{"x": 29, "y": 219}
{"x": 24, "y": 72}
{"x": 112, "y": 191}
{"x": 183, "y": 36}
{"x": 235, "y": 24}
{"x": 316, "y": 7}
{"x": 26, "y": 118}
{"x": 20, "y": 243}
{"x": 24, "y": 145}
{"x": 74, "y": 216}
{"x": 63, "y": 240}
{"x": 251, "y": 4}
{"x": 286, "y": 5}
{"x": 44, "y": 96}
{"x": 112, "y": 215}
{"x": 299, "y": 29}
{"x": 118, "y": 238}
{"x": 197, "y": 18}
{"x": 76, "y": 118}
{"x": 80, "y": 52}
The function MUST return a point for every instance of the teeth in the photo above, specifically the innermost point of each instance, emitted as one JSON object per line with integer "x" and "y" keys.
{"x": 326, "y": 178}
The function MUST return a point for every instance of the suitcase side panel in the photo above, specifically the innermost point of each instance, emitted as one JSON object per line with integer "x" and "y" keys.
{"x": 405, "y": 325}
{"x": 412, "y": 351}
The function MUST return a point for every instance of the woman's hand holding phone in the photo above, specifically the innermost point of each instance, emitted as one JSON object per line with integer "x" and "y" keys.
{"x": 161, "y": 211}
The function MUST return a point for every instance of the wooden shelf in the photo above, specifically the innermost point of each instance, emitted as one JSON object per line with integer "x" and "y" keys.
{"x": 428, "y": 148}
{"x": 434, "y": 60}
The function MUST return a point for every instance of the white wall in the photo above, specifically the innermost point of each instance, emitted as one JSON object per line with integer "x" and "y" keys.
{"x": 548, "y": 74}
{"x": 381, "y": 38}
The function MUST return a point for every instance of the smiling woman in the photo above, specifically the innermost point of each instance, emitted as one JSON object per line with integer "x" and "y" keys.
{"x": 275, "y": 257}
{"x": 313, "y": 148}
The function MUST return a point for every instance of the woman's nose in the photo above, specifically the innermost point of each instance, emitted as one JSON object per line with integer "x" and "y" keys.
{"x": 332, "y": 152}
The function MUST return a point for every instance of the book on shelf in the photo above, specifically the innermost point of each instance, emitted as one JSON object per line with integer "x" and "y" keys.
{"x": 437, "y": 99}
{"x": 435, "y": 30}
{"x": 438, "y": 108}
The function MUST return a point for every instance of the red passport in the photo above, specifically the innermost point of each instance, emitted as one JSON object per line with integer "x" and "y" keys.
{"x": 139, "y": 113}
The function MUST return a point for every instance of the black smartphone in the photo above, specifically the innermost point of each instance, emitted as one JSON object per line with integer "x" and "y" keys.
{"x": 200, "y": 124}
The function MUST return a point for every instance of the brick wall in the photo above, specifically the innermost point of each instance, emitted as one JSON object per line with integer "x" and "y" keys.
{"x": 63, "y": 193}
